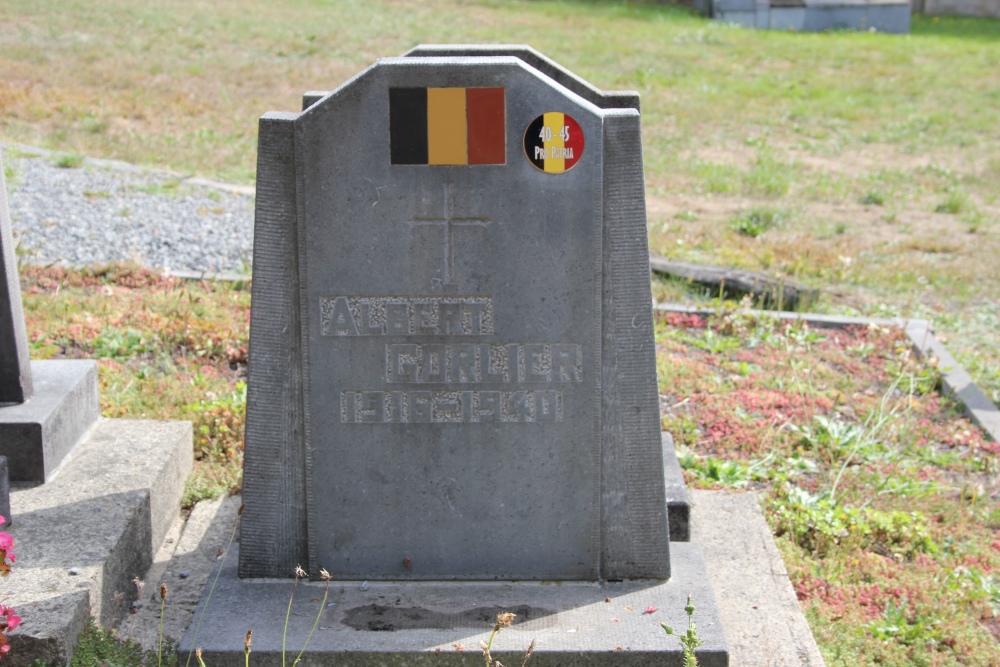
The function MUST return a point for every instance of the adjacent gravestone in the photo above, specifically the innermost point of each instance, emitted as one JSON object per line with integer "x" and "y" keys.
{"x": 452, "y": 394}
{"x": 45, "y": 406}
{"x": 892, "y": 16}
{"x": 15, "y": 369}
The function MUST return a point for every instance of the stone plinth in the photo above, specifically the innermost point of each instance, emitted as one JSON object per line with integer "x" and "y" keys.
{"x": 421, "y": 623}
{"x": 37, "y": 435}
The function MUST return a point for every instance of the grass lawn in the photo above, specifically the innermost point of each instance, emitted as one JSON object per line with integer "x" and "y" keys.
{"x": 874, "y": 158}
{"x": 865, "y": 165}
{"x": 880, "y": 493}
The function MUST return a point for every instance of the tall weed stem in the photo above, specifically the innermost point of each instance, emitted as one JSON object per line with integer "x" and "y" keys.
{"x": 218, "y": 571}
{"x": 319, "y": 614}
{"x": 299, "y": 572}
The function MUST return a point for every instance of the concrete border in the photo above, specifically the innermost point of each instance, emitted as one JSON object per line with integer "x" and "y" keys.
{"x": 761, "y": 617}
{"x": 955, "y": 380}
{"x": 442, "y": 623}
{"x": 83, "y": 537}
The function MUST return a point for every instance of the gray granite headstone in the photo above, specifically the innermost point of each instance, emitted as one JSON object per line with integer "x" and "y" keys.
{"x": 45, "y": 406}
{"x": 452, "y": 370}
{"x": 15, "y": 369}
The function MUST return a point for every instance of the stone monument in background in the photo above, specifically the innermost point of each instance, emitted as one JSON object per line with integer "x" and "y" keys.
{"x": 452, "y": 371}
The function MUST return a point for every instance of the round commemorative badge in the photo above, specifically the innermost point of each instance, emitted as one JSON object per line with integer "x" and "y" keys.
{"x": 553, "y": 142}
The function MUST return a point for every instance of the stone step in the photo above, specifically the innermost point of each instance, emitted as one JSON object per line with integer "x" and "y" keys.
{"x": 82, "y": 537}
{"x": 37, "y": 435}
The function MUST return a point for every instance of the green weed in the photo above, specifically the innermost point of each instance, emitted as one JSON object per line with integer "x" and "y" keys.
{"x": 820, "y": 525}
{"x": 956, "y": 202}
{"x": 116, "y": 343}
{"x": 168, "y": 187}
{"x": 101, "y": 647}
{"x": 690, "y": 641}
{"x": 731, "y": 473}
{"x": 769, "y": 177}
{"x": 755, "y": 222}
{"x": 70, "y": 161}
{"x": 873, "y": 198}
{"x": 902, "y": 625}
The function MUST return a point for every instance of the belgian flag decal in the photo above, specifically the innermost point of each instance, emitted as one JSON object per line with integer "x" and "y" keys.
{"x": 447, "y": 126}
{"x": 554, "y": 142}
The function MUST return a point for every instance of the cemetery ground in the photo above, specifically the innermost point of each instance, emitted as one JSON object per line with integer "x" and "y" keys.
{"x": 881, "y": 494}
{"x": 865, "y": 165}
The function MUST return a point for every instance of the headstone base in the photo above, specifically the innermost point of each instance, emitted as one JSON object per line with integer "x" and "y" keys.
{"x": 443, "y": 623}
{"x": 36, "y": 436}
{"x": 85, "y": 535}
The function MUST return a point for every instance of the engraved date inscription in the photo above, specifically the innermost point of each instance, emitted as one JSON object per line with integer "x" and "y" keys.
{"x": 442, "y": 407}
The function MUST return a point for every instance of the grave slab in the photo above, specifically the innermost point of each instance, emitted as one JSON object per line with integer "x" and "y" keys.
{"x": 38, "y": 434}
{"x": 83, "y": 537}
{"x": 739, "y": 543}
{"x": 424, "y": 623}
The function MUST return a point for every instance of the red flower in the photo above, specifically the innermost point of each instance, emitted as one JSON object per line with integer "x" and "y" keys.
{"x": 7, "y": 556}
{"x": 8, "y": 619}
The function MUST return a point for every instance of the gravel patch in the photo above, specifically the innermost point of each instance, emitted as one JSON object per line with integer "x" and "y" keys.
{"x": 104, "y": 211}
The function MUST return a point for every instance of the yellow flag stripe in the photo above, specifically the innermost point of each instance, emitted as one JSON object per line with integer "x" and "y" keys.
{"x": 446, "y": 126}
{"x": 552, "y": 125}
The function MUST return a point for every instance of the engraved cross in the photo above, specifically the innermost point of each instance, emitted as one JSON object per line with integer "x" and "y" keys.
{"x": 449, "y": 222}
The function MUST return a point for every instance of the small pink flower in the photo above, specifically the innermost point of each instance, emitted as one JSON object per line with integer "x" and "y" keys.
{"x": 7, "y": 546}
{"x": 650, "y": 610}
{"x": 8, "y": 618}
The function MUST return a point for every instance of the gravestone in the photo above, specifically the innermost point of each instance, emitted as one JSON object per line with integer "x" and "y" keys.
{"x": 45, "y": 406}
{"x": 452, "y": 366}
{"x": 101, "y": 513}
{"x": 15, "y": 369}
{"x": 468, "y": 369}
{"x": 891, "y": 16}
